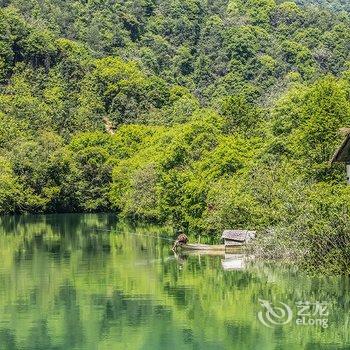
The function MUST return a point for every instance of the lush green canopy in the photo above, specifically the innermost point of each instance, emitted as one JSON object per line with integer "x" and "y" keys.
{"x": 219, "y": 113}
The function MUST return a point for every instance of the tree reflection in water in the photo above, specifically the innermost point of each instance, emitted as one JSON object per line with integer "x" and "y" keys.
{"x": 87, "y": 281}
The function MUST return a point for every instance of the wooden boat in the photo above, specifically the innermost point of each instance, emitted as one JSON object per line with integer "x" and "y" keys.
{"x": 208, "y": 249}
{"x": 220, "y": 247}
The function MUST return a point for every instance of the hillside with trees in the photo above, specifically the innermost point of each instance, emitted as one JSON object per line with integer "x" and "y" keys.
{"x": 335, "y": 5}
{"x": 199, "y": 113}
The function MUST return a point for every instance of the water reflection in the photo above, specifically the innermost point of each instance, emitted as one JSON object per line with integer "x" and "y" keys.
{"x": 89, "y": 282}
{"x": 234, "y": 262}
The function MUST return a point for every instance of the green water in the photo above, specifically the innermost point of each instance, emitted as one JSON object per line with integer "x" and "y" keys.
{"x": 88, "y": 282}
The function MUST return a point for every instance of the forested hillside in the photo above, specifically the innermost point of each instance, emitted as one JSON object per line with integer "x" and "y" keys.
{"x": 335, "y": 5}
{"x": 207, "y": 114}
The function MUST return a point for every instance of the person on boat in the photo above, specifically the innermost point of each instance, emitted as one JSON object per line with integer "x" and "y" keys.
{"x": 181, "y": 239}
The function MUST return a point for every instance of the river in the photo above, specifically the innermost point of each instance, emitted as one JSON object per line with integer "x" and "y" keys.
{"x": 73, "y": 281}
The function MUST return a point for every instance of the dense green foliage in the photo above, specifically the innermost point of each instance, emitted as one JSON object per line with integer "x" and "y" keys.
{"x": 336, "y": 5}
{"x": 220, "y": 113}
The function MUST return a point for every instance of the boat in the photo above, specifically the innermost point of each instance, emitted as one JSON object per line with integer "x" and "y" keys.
{"x": 209, "y": 249}
{"x": 234, "y": 240}
{"x": 219, "y": 247}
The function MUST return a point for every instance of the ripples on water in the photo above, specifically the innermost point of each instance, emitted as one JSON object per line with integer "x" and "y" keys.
{"x": 88, "y": 282}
